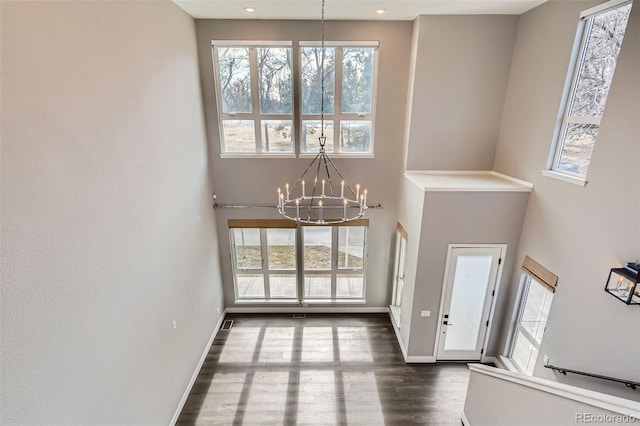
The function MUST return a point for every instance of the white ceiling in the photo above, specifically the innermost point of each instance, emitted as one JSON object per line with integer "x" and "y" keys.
{"x": 350, "y": 9}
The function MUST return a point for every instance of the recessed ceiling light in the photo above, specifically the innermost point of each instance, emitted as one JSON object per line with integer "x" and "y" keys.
{"x": 250, "y": 9}
{"x": 381, "y": 11}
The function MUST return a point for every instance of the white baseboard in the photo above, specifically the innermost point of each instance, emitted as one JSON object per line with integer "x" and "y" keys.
{"x": 396, "y": 331}
{"x": 187, "y": 391}
{"x": 491, "y": 359}
{"x": 303, "y": 310}
{"x": 409, "y": 358}
{"x": 420, "y": 359}
{"x": 465, "y": 420}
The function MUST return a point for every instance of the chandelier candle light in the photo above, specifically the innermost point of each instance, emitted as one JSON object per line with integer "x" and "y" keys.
{"x": 321, "y": 205}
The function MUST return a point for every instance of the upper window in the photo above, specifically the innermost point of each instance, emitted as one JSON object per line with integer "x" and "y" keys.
{"x": 348, "y": 110}
{"x": 255, "y": 98}
{"x": 600, "y": 33}
{"x": 255, "y": 85}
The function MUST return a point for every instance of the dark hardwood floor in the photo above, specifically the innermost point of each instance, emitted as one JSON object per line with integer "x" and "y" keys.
{"x": 321, "y": 370}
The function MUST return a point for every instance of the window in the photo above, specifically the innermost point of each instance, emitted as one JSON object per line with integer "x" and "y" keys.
{"x": 254, "y": 89}
{"x": 349, "y": 109}
{"x": 265, "y": 261}
{"x": 532, "y": 320}
{"x": 598, "y": 41}
{"x": 255, "y": 93}
{"x": 537, "y": 287}
{"x": 334, "y": 262}
{"x": 398, "y": 273}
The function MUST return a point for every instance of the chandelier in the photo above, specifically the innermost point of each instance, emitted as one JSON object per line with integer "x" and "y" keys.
{"x": 321, "y": 195}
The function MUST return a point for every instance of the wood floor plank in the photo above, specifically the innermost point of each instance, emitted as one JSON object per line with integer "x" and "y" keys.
{"x": 321, "y": 370}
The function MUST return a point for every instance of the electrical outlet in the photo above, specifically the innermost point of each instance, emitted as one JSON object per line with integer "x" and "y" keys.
{"x": 425, "y": 313}
{"x": 174, "y": 324}
{"x": 218, "y": 311}
{"x": 546, "y": 360}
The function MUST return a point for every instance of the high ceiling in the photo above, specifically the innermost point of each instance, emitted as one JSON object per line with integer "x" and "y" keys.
{"x": 350, "y": 9}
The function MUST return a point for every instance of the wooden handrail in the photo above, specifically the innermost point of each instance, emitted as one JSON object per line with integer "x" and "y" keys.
{"x": 562, "y": 370}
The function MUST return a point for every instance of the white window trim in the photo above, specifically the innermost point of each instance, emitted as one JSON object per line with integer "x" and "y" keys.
{"x": 525, "y": 283}
{"x": 399, "y": 262}
{"x": 565, "y": 177}
{"x": 299, "y": 272}
{"x": 335, "y": 271}
{"x": 338, "y": 116}
{"x": 264, "y": 271}
{"x": 577, "y": 54}
{"x": 255, "y": 115}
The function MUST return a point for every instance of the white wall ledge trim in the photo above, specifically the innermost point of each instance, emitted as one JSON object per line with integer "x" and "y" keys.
{"x": 564, "y": 177}
{"x": 596, "y": 399}
{"x": 466, "y": 181}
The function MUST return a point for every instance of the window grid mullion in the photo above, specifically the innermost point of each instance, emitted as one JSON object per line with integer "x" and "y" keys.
{"x": 265, "y": 262}
{"x": 334, "y": 259}
{"x": 528, "y": 336}
{"x": 255, "y": 97}
{"x": 337, "y": 99}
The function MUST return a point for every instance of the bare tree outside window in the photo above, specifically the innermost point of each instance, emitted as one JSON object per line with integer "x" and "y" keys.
{"x": 254, "y": 88}
{"x": 255, "y": 116}
{"x": 349, "y": 97}
{"x": 603, "y": 33}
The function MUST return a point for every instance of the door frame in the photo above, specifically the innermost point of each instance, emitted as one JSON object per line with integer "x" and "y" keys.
{"x": 496, "y": 288}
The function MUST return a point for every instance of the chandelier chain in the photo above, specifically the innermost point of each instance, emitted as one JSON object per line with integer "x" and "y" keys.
{"x": 322, "y": 141}
{"x": 309, "y": 205}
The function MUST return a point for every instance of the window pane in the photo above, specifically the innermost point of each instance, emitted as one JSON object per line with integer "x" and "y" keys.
{"x": 471, "y": 280}
{"x": 235, "y": 80}
{"x": 357, "y": 79}
{"x": 276, "y": 136}
{"x": 317, "y": 247}
{"x": 274, "y": 71}
{"x": 317, "y": 286}
{"x": 311, "y": 59}
{"x": 536, "y": 310}
{"x": 239, "y": 136}
{"x": 351, "y": 247}
{"x": 282, "y": 286}
{"x": 355, "y": 136}
{"x": 250, "y": 285}
{"x": 605, "y": 32}
{"x": 311, "y": 133}
{"x": 524, "y": 354}
{"x": 578, "y": 141}
{"x": 350, "y": 286}
{"x": 247, "y": 244}
{"x": 281, "y": 249}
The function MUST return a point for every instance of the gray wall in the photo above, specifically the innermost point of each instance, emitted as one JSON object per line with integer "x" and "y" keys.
{"x": 579, "y": 233}
{"x": 254, "y": 181}
{"x": 107, "y": 231}
{"x": 461, "y": 73}
{"x": 458, "y": 218}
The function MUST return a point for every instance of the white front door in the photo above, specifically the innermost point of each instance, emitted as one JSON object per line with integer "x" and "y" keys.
{"x": 470, "y": 283}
